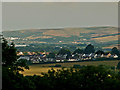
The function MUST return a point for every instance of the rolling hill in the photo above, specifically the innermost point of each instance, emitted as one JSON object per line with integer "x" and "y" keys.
{"x": 106, "y": 37}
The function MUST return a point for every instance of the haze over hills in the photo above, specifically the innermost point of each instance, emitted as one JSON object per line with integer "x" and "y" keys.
{"x": 105, "y": 37}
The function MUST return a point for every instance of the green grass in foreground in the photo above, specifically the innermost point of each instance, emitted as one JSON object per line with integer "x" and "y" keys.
{"x": 39, "y": 68}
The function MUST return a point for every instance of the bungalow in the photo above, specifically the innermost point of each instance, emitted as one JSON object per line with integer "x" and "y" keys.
{"x": 60, "y": 59}
{"x": 102, "y": 55}
{"x": 35, "y": 61}
{"x": 50, "y": 59}
{"x": 95, "y": 56}
{"x": 72, "y": 59}
{"x": 86, "y": 57}
{"x": 109, "y": 55}
{"x": 115, "y": 56}
{"x": 19, "y": 53}
{"x": 24, "y": 57}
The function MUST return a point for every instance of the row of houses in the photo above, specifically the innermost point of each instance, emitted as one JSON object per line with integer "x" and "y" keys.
{"x": 32, "y": 53}
{"x": 91, "y": 56}
{"x": 33, "y": 58}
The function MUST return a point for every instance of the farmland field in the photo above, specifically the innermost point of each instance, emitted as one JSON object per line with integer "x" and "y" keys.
{"x": 37, "y": 69}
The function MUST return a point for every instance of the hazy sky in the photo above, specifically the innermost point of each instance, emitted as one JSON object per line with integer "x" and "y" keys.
{"x": 30, "y": 15}
{"x": 60, "y": 0}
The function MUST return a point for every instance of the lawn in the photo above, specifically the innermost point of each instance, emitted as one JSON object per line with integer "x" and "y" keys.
{"x": 37, "y": 69}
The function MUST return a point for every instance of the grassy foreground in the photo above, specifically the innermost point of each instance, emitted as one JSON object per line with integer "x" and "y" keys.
{"x": 37, "y": 69}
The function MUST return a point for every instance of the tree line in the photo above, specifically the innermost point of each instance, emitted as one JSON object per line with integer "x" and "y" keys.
{"x": 88, "y": 50}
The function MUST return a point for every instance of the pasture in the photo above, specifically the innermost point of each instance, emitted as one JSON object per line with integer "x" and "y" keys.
{"x": 37, "y": 69}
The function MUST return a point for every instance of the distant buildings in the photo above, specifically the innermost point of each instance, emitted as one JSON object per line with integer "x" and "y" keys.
{"x": 41, "y": 57}
{"x": 20, "y": 45}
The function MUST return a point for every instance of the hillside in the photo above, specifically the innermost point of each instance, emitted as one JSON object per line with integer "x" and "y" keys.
{"x": 106, "y": 37}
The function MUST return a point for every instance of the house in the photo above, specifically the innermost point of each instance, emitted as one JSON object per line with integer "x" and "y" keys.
{"x": 108, "y": 55}
{"x": 72, "y": 59}
{"x": 95, "y": 56}
{"x": 50, "y": 59}
{"x": 29, "y": 53}
{"x": 61, "y": 56}
{"x": 102, "y": 55}
{"x": 60, "y": 59}
{"x": 35, "y": 61}
{"x": 19, "y": 53}
{"x": 87, "y": 56}
{"x": 24, "y": 57}
{"x": 115, "y": 56}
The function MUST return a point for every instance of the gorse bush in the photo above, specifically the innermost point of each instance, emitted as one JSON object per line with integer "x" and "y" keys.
{"x": 57, "y": 65}
{"x": 77, "y": 66}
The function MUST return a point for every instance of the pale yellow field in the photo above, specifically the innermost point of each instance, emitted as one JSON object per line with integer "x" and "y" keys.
{"x": 108, "y": 38}
{"x": 37, "y": 69}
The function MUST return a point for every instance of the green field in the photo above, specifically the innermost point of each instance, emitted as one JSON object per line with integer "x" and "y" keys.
{"x": 37, "y": 69}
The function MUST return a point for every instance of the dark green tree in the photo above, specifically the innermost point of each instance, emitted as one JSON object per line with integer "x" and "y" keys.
{"x": 89, "y": 49}
{"x": 88, "y": 77}
{"x": 115, "y": 51}
{"x": 118, "y": 65}
{"x": 51, "y": 55}
{"x": 78, "y": 51}
{"x": 8, "y": 53}
{"x": 99, "y": 52}
{"x": 10, "y": 58}
{"x": 10, "y": 68}
{"x": 64, "y": 51}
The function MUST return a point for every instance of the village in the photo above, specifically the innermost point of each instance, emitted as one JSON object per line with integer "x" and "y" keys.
{"x": 42, "y": 57}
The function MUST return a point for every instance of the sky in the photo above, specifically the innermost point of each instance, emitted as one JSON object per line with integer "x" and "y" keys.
{"x": 44, "y": 15}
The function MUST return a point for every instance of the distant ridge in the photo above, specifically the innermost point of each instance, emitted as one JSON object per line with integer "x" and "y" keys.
{"x": 106, "y": 35}
{"x": 87, "y": 27}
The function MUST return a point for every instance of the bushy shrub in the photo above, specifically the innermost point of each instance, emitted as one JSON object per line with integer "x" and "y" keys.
{"x": 88, "y": 77}
{"x": 76, "y": 66}
{"x": 57, "y": 65}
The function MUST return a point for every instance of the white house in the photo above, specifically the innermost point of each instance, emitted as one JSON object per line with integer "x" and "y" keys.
{"x": 115, "y": 56}
{"x": 24, "y": 57}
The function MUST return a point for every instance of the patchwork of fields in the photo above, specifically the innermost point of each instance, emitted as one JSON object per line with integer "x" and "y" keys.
{"x": 104, "y": 37}
{"x": 37, "y": 69}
